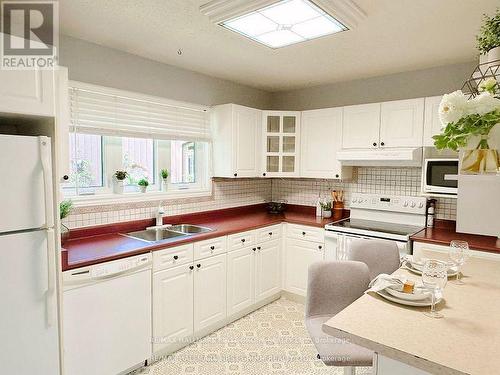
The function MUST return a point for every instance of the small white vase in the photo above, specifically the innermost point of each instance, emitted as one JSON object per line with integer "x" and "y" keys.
{"x": 483, "y": 59}
{"x": 164, "y": 184}
{"x": 143, "y": 188}
{"x": 327, "y": 214}
{"x": 494, "y": 55}
{"x": 118, "y": 187}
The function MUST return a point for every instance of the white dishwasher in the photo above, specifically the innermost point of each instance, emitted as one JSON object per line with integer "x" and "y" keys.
{"x": 107, "y": 317}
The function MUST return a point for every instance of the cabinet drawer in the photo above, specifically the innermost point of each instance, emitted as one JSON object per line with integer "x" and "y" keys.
{"x": 240, "y": 240}
{"x": 213, "y": 246}
{"x": 268, "y": 233}
{"x": 301, "y": 232}
{"x": 173, "y": 256}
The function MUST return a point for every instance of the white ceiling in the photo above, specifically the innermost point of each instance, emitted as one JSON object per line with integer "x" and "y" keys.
{"x": 397, "y": 36}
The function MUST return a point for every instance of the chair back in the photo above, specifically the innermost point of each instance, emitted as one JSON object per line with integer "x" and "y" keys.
{"x": 380, "y": 256}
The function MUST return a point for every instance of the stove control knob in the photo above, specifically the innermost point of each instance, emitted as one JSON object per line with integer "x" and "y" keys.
{"x": 413, "y": 204}
{"x": 405, "y": 204}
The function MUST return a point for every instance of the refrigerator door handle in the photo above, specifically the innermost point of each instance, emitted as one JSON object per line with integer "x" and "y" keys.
{"x": 45, "y": 157}
{"x": 51, "y": 277}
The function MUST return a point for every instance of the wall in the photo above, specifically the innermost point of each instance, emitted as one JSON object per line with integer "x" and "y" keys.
{"x": 390, "y": 181}
{"x": 420, "y": 83}
{"x": 91, "y": 63}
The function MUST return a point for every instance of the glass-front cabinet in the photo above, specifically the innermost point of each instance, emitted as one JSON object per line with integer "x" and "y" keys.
{"x": 281, "y": 143}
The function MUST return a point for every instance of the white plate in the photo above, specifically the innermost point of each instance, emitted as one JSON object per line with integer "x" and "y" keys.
{"x": 422, "y": 303}
{"x": 412, "y": 268}
{"x": 417, "y": 295}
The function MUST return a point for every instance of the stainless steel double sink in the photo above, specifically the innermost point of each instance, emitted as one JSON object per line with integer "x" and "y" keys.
{"x": 163, "y": 234}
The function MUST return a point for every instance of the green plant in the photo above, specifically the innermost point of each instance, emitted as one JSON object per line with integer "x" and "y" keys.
{"x": 143, "y": 182}
{"x": 65, "y": 208}
{"x": 489, "y": 34}
{"x": 121, "y": 175}
{"x": 326, "y": 206}
{"x": 164, "y": 173}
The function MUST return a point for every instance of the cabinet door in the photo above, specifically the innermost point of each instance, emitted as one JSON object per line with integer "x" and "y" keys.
{"x": 299, "y": 256}
{"x": 240, "y": 279}
{"x": 402, "y": 123}
{"x": 321, "y": 135}
{"x": 246, "y": 141}
{"x": 360, "y": 126}
{"x": 29, "y": 92}
{"x": 432, "y": 124}
{"x": 267, "y": 270}
{"x": 281, "y": 144}
{"x": 172, "y": 306}
{"x": 209, "y": 291}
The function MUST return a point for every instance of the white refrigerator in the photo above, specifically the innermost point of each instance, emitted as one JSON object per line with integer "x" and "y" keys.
{"x": 28, "y": 315}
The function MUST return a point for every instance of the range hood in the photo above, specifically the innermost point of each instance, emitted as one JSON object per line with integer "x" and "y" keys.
{"x": 389, "y": 157}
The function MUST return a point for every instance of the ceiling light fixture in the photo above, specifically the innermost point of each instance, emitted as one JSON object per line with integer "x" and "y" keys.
{"x": 277, "y": 23}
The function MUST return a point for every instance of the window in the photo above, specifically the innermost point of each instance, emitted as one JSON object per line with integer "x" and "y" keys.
{"x": 112, "y": 130}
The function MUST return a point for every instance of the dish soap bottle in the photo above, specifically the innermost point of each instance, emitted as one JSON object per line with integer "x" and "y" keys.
{"x": 319, "y": 210}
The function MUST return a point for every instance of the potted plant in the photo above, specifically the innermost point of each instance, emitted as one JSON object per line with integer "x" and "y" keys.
{"x": 64, "y": 210}
{"x": 488, "y": 40}
{"x": 467, "y": 125}
{"x": 164, "y": 178}
{"x": 326, "y": 208}
{"x": 119, "y": 176}
{"x": 143, "y": 184}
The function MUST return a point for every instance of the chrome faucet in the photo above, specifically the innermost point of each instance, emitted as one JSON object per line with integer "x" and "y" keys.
{"x": 159, "y": 216}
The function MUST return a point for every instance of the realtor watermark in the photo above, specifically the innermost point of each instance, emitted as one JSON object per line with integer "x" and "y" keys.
{"x": 30, "y": 34}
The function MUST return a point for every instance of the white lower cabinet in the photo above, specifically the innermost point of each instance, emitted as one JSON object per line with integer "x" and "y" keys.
{"x": 172, "y": 306}
{"x": 209, "y": 291}
{"x": 240, "y": 279}
{"x": 267, "y": 270}
{"x": 299, "y": 256}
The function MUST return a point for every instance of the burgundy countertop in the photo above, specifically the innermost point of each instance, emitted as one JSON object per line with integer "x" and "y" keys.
{"x": 444, "y": 232}
{"x": 103, "y": 243}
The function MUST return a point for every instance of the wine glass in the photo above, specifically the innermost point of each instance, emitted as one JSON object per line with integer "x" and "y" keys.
{"x": 459, "y": 253}
{"x": 434, "y": 278}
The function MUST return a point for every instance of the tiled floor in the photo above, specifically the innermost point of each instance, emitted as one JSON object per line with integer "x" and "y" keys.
{"x": 271, "y": 340}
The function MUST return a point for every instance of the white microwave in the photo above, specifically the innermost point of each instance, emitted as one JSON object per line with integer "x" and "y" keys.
{"x": 440, "y": 176}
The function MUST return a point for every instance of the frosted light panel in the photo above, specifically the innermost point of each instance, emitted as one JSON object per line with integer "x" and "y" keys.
{"x": 285, "y": 22}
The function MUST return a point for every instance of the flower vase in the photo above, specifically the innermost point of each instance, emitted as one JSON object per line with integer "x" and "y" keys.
{"x": 143, "y": 189}
{"x": 494, "y": 57}
{"x": 164, "y": 184}
{"x": 480, "y": 160}
{"x": 118, "y": 186}
{"x": 327, "y": 214}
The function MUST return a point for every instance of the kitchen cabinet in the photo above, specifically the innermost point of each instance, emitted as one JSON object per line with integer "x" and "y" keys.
{"x": 267, "y": 270}
{"x": 281, "y": 144}
{"x": 240, "y": 279}
{"x": 172, "y": 306}
{"x": 401, "y": 123}
{"x": 209, "y": 291}
{"x": 321, "y": 138}
{"x": 237, "y": 140}
{"x": 432, "y": 123}
{"x": 27, "y": 92}
{"x": 62, "y": 123}
{"x": 299, "y": 255}
{"x": 361, "y": 126}
{"x": 208, "y": 248}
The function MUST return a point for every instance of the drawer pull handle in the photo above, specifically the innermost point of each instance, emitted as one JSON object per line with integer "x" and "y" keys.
{"x": 176, "y": 257}
{"x": 270, "y": 233}
{"x": 212, "y": 248}
{"x": 320, "y": 247}
{"x": 243, "y": 240}
{"x": 254, "y": 249}
{"x": 258, "y": 247}
{"x": 303, "y": 233}
{"x": 191, "y": 268}
{"x": 198, "y": 265}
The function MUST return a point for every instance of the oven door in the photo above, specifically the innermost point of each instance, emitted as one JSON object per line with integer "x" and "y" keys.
{"x": 441, "y": 176}
{"x": 337, "y": 244}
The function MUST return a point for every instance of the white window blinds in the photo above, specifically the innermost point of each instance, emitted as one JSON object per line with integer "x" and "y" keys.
{"x": 108, "y": 114}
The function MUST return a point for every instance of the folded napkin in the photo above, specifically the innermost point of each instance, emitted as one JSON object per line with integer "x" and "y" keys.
{"x": 384, "y": 281}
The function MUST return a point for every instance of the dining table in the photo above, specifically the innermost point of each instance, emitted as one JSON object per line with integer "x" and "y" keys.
{"x": 466, "y": 340}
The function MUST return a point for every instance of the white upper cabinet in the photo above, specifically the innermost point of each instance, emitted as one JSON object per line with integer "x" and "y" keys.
{"x": 28, "y": 92}
{"x": 236, "y": 141}
{"x": 432, "y": 124}
{"x": 321, "y": 138}
{"x": 281, "y": 144}
{"x": 361, "y": 126}
{"x": 401, "y": 123}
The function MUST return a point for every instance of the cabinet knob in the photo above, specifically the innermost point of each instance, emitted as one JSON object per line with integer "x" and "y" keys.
{"x": 198, "y": 265}
{"x": 176, "y": 257}
{"x": 263, "y": 174}
{"x": 212, "y": 247}
{"x": 253, "y": 249}
{"x": 374, "y": 143}
{"x": 243, "y": 240}
{"x": 382, "y": 144}
{"x": 270, "y": 233}
{"x": 191, "y": 268}
{"x": 258, "y": 247}
{"x": 320, "y": 247}
{"x": 65, "y": 177}
{"x": 236, "y": 175}
{"x": 337, "y": 176}
{"x": 303, "y": 233}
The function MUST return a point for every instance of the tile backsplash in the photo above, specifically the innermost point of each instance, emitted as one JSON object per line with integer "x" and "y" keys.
{"x": 229, "y": 193}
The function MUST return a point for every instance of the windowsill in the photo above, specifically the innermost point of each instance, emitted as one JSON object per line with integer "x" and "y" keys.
{"x": 103, "y": 199}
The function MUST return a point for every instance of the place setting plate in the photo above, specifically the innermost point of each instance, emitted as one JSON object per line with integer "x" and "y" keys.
{"x": 416, "y": 268}
{"x": 421, "y": 298}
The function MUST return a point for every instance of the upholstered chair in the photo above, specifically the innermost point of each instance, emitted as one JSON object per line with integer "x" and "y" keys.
{"x": 379, "y": 256}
